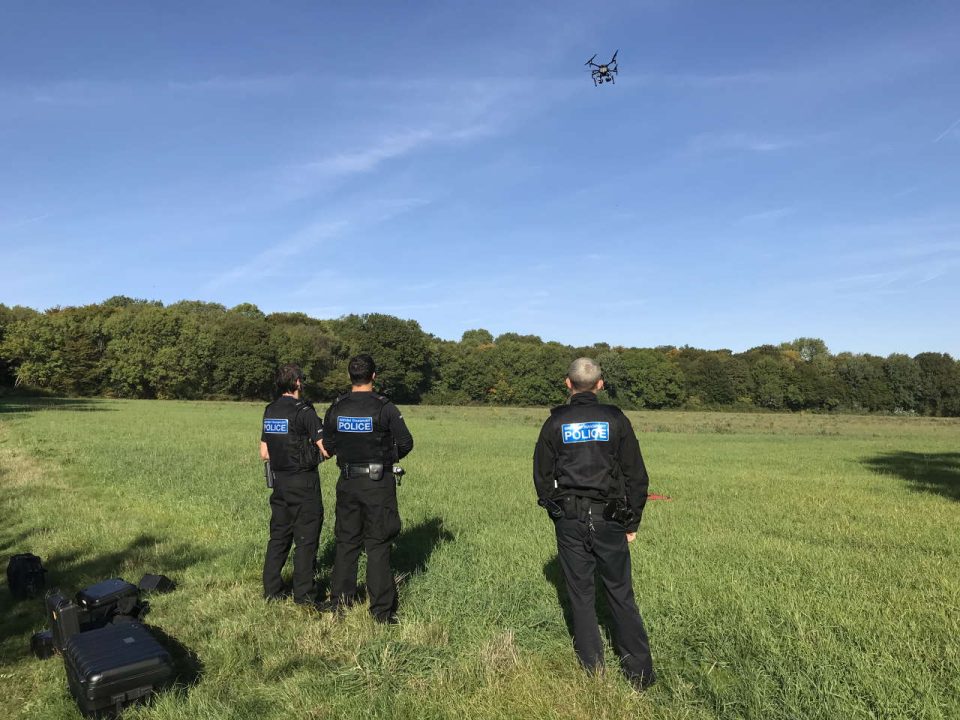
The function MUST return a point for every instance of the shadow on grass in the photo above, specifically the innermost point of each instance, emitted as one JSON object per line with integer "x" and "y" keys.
{"x": 187, "y": 666}
{"x": 72, "y": 571}
{"x": 24, "y": 405}
{"x": 554, "y": 575}
{"x": 411, "y": 553}
{"x": 937, "y": 473}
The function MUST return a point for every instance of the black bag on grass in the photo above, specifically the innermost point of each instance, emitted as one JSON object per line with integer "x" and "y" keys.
{"x": 26, "y": 576}
{"x": 156, "y": 583}
{"x": 115, "y": 666}
{"x": 41, "y": 644}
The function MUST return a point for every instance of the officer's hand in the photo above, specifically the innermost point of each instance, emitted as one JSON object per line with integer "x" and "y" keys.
{"x": 631, "y": 537}
{"x": 323, "y": 450}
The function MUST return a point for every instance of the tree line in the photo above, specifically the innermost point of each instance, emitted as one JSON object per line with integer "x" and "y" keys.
{"x": 131, "y": 348}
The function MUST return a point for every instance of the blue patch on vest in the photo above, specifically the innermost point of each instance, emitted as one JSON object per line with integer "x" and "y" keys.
{"x": 585, "y": 432}
{"x": 355, "y": 424}
{"x": 275, "y": 426}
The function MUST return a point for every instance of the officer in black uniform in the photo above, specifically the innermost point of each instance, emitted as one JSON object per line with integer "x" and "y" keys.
{"x": 291, "y": 441}
{"x": 367, "y": 434}
{"x": 590, "y": 476}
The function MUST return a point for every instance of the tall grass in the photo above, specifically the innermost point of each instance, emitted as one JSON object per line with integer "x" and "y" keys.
{"x": 807, "y": 567}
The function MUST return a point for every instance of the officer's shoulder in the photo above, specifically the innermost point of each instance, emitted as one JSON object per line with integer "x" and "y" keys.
{"x": 381, "y": 398}
{"x": 340, "y": 398}
{"x": 302, "y": 404}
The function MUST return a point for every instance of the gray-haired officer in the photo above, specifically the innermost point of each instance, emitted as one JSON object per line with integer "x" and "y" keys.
{"x": 590, "y": 476}
{"x": 290, "y": 440}
{"x": 367, "y": 434}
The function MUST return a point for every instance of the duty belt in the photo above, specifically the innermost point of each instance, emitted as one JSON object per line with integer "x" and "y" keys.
{"x": 578, "y": 507}
{"x": 360, "y": 469}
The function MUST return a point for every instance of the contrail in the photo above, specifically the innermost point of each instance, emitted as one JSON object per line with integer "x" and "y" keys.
{"x": 947, "y": 131}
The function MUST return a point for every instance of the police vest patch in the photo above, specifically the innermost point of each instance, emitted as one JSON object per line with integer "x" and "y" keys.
{"x": 585, "y": 432}
{"x": 355, "y": 424}
{"x": 276, "y": 426}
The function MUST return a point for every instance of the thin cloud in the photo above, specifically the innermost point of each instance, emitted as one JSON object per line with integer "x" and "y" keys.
{"x": 949, "y": 130}
{"x": 766, "y": 216}
{"x": 369, "y": 158}
{"x": 23, "y": 222}
{"x": 303, "y": 244}
{"x": 244, "y": 84}
{"x": 278, "y": 255}
{"x": 711, "y": 142}
{"x": 481, "y": 108}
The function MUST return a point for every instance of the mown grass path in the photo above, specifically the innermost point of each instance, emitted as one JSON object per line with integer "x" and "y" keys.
{"x": 807, "y": 567}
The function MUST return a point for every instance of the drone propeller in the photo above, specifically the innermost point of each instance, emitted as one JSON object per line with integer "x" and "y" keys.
{"x": 614, "y": 58}
{"x": 590, "y": 61}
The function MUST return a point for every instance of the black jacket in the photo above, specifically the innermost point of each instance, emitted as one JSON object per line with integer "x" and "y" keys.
{"x": 589, "y": 450}
{"x": 365, "y": 427}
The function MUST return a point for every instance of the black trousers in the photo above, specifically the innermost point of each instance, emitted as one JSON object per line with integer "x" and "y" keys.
{"x": 296, "y": 515}
{"x": 368, "y": 519}
{"x": 583, "y": 553}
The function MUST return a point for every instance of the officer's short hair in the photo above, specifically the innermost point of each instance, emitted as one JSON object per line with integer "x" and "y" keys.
{"x": 287, "y": 377}
{"x": 361, "y": 369}
{"x": 584, "y": 374}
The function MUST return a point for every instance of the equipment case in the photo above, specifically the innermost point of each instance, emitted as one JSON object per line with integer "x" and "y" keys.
{"x": 64, "y": 618}
{"x": 115, "y": 666}
{"x": 108, "y": 598}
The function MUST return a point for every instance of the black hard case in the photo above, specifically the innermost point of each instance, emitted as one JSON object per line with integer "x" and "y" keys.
{"x": 108, "y": 598}
{"x": 64, "y": 618}
{"x": 115, "y": 666}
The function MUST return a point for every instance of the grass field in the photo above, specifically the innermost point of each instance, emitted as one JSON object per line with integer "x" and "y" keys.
{"x": 807, "y": 567}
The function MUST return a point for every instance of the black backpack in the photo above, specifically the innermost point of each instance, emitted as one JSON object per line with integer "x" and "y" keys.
{"x": 26, "y": 576}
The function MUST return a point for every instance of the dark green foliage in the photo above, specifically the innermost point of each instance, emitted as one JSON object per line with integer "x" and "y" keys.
{"x": 939, "y": 384}
{"x": 642, "y": 378}
{"x": 9, "y": 316}
{"x": 864, "y": 382}
{"x": 126, "y": 347}
{"x": 399, "y": 347}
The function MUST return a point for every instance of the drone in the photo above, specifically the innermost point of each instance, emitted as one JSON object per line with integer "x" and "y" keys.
{"x": 603, "y": 73}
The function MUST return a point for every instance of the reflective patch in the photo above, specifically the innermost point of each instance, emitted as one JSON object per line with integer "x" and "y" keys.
{"x": 355, "y": 424}
{"x": 275, "y": 426}
{"x": 585, "y": 432}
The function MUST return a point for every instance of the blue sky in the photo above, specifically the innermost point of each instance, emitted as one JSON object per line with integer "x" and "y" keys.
{"x": 760, "y": 171}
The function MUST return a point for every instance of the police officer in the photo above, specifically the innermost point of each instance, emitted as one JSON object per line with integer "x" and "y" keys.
{"x": 367, "y": 434}
{"x": 291, "y": 442}
{"x": 590, "y": 476}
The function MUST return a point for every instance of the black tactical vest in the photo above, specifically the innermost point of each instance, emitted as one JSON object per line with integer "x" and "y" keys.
{"x": 587, "y": 437}
{"x": 361, "y": 435}
{"x": 291, "y": 450}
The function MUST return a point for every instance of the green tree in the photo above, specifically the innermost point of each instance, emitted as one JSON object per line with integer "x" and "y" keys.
{"x": 243, "y": 361}
{"x": 769, "y": 388}
{"x": 296, "y": 338}
{"x": 60, "y": 350}
{"x": 399, "y": 347}
{"x": 904, "y": 380}
{"x": 864, "y": 382}
{"x": 644, "y": 378}
{"x": 8, "y": 317}
{"x": 939, "y": 384}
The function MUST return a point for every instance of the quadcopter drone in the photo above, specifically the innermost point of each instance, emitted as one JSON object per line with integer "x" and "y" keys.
{"x": 603, "y": 73}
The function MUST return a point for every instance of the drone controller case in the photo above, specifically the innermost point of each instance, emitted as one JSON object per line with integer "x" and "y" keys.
{"x": 109, "y": 598}
{"x": 115, "y": 666}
